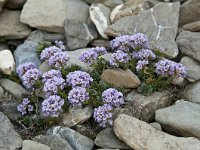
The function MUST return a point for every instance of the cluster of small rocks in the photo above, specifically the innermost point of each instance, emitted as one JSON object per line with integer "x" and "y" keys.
{"x": 172, "y": 24}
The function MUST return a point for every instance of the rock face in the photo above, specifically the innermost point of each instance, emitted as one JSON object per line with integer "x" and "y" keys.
{"x": 11, "y": 27}
{"x": 78, "y": 34}
{"x": 144, "y": 107}
{"x": 139, "y": 135}
{"x": 26, "y": 52}
{"x": 192, "y": 68}
{"x": 189, "y": 43}
{"x": 2, "y": 3}
{"x": 192, "y": 93}
{"x": 9, "y": 138}
{"x": 108, "y": 139}
{"x": 36, "y": 12}
{"x": 156, "y": 22}
{"x": 76, "y": 116}
{"x": 7, "y": 62}
{"x": 32, "y": 145}
{"x": 54, "y": 142}
{"x": 189, "y": 12}
{"x": 121, "y": 78}
{"x": 108, "y": 3}
{"x": 76, "y": 140}
{"x": 194, "y": 26}
{"x": 15, "y": 4}
{"x": 182, "y": 118}
{"x": 100, "y": 15}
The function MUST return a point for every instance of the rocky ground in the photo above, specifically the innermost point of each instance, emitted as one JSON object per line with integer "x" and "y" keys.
{"x": 167, "y": 120}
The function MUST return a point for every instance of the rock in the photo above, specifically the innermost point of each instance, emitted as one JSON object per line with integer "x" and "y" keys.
{"x": 32, "y": 145}
{"x": 15, "y": 4}
{"x": 9, "y": 138}
{"x": 156, "y": 125}
{"x": 86, "y": 130}
{"x": 101, "y": 43}
{"x": 121, "y": 78}
{"x": 36, "y": 12}
{"x": 44, "y": 67}
{"x": 27, "y": 53}
{"x": 12, "y": 87}
{"x": 76, "y": 116}
{"x": 76, "y": 140}
{"x": 1, "y": 93}
{"x": 178, "y": 81}
{"x": 53, "y": 141}
{"x": 11, "y": 27}
{"x": 79, "y": 34}
{"x": 189, "y": 12}
{"x": 194, "y": 26}
{"x": 100, "y": 15}
{"x": 139, "y": 135}
{"x": 108, "y": 3}
{"x": 192, "y": 68}
{"x": 7, "y": 62}
{"x": 182, "y": 118}
{"x": 2, "y": 3}
{"x": 108, "y": 139}
{"x": 160, "y": 27}
{"x": 130, "y": 8}
{"x": 191, "y": 93}
{"x": 189, "y": 43}
{"x": 144, "y": 107}
{"x": 3, "y": 46}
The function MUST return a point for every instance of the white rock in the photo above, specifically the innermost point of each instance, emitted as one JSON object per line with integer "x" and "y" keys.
{"x": 7, "y": 62}
{"x": 32, "y": 145}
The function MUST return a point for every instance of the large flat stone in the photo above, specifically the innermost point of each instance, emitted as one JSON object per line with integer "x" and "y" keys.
{"x": 191, "y": 93}
{"x": 194, "y": 26}
{"x": 32, "y": 145}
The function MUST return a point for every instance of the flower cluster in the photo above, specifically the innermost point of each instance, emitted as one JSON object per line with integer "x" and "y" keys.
{"x": 50, "y": 74}
{"x": 21, "y": 69}
{"x": 119, "y": 57}
{"x": 79, "y": 78}
{"x": 25, "y": 106}
{"x": 48, "y": 52}
{"x": 60, "y": 44}
{"x": 145, "y": 54}
{"x": 77, "y": 96}
{"x": 169, "y": 68}
{"x": 52, "y": 106}
{"x": 103, "y": 115}
{"x": 141, "y": 64}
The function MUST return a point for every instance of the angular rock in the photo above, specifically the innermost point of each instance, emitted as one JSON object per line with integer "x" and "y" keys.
{"x": 76, "y": 116}
{"x": 12, "y": 87}
{"x": 139, "y": 135}
{"x": 2, "y": 3}
{"x": 11, "y": 27}
{"x": 108, "y": 3}
{"x": 121, "y": 78}
{"x": 27, "y": 53}
{"x": 100, "y": 16}
{"x": 156, "y": 125}
{"x": 53, "y": 141}
{"x": 189, "y": 12}
{"x": 76, "y": 140}
{"x": 191, "y": 93}
{"x": 78, "y": 34}
{"x": 36, "y": 12}
{"x": 182, "y": 118}
{"x": 15, "y": 4}
{"x": 7, "y": 62}
{"x": 9, "y": 138}
{"x": 101, "y": 43}
{"x": 86, "y": 131}
{"x": 44, "y": 67}
{"x": 189, "y": 43}
{"x": 32, "y": 145}
{"x": 144, "y": 107}
{"x": 1, "y": 93}
{"x": 160, "y": 27}
{"x": 194, "y": 26}
{"x": 108, "y": 139}
{"x": 192, "y": 68}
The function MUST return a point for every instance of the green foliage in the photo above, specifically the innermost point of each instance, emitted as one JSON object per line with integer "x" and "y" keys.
{"x": 41, "y": 46}
{"x": 14, "y": 77}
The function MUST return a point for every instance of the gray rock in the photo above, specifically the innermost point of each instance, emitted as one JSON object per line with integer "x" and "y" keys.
{"x": 27, "y": 53}
{"x": 182, "y": 118}
{"x": 192, "y": 68}
{"x": 13, "y": 88}
{"x": 160, "y": 27}
{"x": 156, "y": 125}
{"x": 108, "y": 3}
{"x": 9, "y": 138}
{"x": 189, "y": 43}
{"x": 15, "y": 4}
{"x": 139, "y": 135}
{"x": 2, "y": 3}
{"x": 78, "y": 34}
{"x": 191, "y": 93}
{"x": 144, "y": 107}
{"x": 11, "y": 27}
{"x": 53, "y": 141}
{"x": 36, "y": 12}
{"x": 108, "y": 139}
{"x": 32, "y": 145}
{"x": 189, "y": 12}
{"x": 3, "y": 46}
{"x": 1, "y": 93}
{"x": 86, "y": 131}
{"x": 194, "y": 26}
{"x": 44, "y": 67}
{"x": 101, "y": 43}
{"x": 76, "y": 140}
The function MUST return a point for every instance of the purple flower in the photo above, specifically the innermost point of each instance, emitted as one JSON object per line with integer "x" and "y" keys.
{"x": 77, "y": 96}
{"x": 99, "y": 50}
{"x": 141, "y": 64}
{"x": 25, "y": 106}
{"x": 52, "y": 106}
{"x": 48, "y": 52}
{"x": 112, "y": 97}
{"x": 119, "y": 57}
{"x": 89, "y": 56}
{"x": 159, "y": 48}
{"x": 50, "y": 74}
{"x": 103, "y": 115}
{"x": 58, "y": 59}
{"x": 146, "y": 54}
{"x": 21, "y": 69}
{"x": 79, "y": 78}
{"x": 60, "y": 44}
